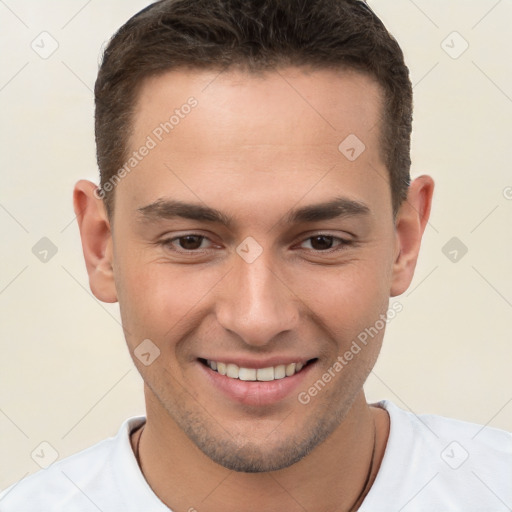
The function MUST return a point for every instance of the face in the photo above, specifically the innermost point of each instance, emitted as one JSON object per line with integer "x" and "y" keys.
{"x": 246, "y": 238}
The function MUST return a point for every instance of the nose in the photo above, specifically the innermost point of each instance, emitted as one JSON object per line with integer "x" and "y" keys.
{"x": 255, "y": 303}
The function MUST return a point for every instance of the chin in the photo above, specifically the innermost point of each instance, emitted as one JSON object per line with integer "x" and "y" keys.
{"x": 252, "y": 458}
{"x": 272, "y": 453}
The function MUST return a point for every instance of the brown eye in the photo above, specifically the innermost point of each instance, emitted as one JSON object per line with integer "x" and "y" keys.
{"x": 321, "y": 242}
{"x": 190, "y": 242}
{"x": 326, "y": 243}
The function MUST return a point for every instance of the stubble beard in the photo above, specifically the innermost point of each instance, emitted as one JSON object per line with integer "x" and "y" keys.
{"x": 272, "y": 452}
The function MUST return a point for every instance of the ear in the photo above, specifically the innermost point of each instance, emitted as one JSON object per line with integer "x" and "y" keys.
{"x": 410, "y": 224}
{"x": 96, "y": 240}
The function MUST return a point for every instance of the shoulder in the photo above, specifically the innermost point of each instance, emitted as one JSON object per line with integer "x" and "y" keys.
{"x": 431, "y": 429}
{"x": 436, "y": 463}
{"x": 69, "y": 484}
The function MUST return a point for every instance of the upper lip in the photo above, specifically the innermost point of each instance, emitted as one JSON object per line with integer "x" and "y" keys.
{"x": 245, "y": 362}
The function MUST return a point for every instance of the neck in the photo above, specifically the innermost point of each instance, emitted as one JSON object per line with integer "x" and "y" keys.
{"x": 336, "y": 475}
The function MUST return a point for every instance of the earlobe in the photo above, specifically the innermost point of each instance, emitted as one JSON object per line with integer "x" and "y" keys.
{"x": 410, "y": 224}
{"x": 96, "y": 240}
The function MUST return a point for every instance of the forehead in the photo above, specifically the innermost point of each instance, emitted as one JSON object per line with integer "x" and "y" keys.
{"x": 270, "y": 133}
{"x": 329, "y": 102}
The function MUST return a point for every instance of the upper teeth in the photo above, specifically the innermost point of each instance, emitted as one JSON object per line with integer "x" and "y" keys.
{"x": 262, "y": 374}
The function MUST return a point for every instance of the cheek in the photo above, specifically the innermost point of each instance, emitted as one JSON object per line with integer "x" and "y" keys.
{"x": 159, "y": 301}
{"x": 348, "y": 298}
{"x": 143, "y": 296}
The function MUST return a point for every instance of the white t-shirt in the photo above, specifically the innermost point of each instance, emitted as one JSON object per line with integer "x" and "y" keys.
{"x": 431, "y": 464}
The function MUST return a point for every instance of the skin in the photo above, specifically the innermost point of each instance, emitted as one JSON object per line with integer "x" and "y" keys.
{"x": 255, "y": 149}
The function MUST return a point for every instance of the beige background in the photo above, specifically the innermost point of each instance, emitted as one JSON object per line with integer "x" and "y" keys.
{"x": 65, "y": 373}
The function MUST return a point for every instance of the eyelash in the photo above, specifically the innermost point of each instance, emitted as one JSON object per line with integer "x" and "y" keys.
{"x": 341, "y": 245}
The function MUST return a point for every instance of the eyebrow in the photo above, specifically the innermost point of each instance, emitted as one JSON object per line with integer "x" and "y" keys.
{"x": 170, "y": 209}
{"x": 338, "y": 207}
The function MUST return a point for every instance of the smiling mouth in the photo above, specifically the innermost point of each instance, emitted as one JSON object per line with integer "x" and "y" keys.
{"x": 233, "y": 371}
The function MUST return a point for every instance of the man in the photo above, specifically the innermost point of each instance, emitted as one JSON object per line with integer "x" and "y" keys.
{"x": 254, "y": 217}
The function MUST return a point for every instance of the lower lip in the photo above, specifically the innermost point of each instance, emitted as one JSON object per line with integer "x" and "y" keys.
{"x": 254, "y": 392}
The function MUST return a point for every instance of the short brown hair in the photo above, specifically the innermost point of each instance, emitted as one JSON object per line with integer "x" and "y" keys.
{"x": 256, "y": 35}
